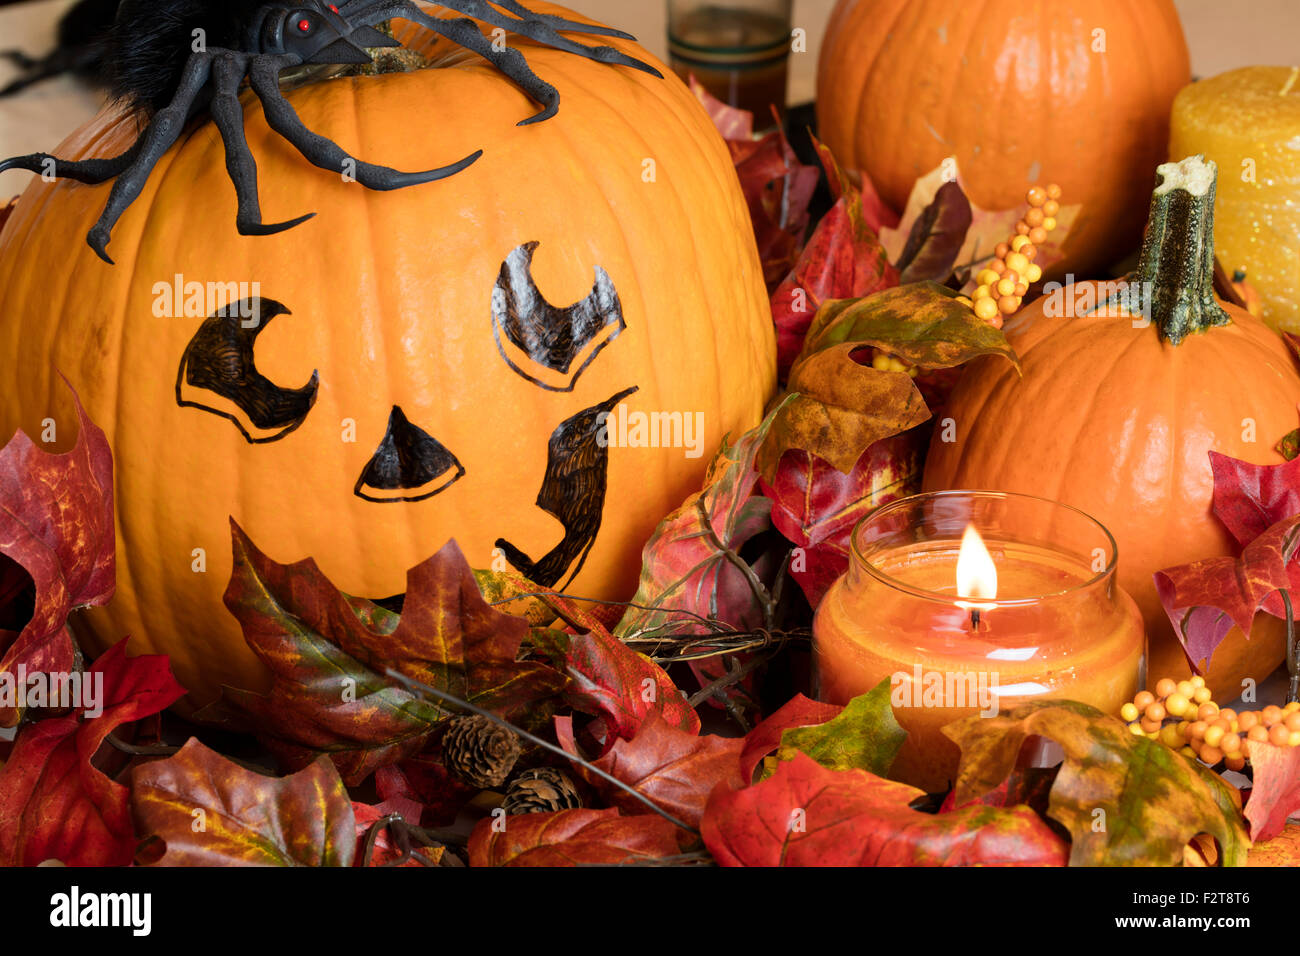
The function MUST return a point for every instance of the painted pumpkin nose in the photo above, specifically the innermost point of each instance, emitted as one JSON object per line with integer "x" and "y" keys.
{"x": 407, "y": 459}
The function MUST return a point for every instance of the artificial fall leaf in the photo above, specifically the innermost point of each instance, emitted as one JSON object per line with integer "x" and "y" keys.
{"x": 686, "y": 575}
{"x": 922, "y": 323}
{"x": 1288, "y": 446}
{"x": 425, "y": 780}
{"x": 1028, "y": 786}
{"x": 56, "y": 523}
{"x": 574, "y": 838}
{"x": 808, "y": 815}
{"x": 732, "y": 123}
{"x": 209, "y": 811}
{"x": 936, "y": 237}
{"x": 384, "y": 852}
{"x": 1125, "y": 800}
{"x": 843, "y": 259}
{"x": 1249, "y": 499}
{"x": 608, "y": 679}
{"x": 798, "y": 711}
{"x": 777, "y": 186}
{"x": 674, "y": 769}
{"x": 988, "y": 227}
{"x": 1282, "y": 850}
{"x": 816, "y": 506}
{"x": 327, "y": 653}
{"x": 856, "y": 185}
{"x": 862, "y": 736}
{"x": 1275, "y": 792}
{"x": 54, "y": 802}
{"x": 1205, "y": 599}
{"x": 838, "y": 408}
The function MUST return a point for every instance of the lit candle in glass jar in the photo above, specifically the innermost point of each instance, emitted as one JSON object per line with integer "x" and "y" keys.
{"x": 971, "y": 602}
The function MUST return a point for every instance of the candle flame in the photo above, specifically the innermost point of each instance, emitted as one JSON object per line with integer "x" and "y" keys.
{"x": 977, "y": 575}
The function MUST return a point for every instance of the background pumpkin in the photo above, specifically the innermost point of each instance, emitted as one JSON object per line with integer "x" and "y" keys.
{"x": 389, "y": 295}
{"x": 1118, "y": 422}
{"x": 1017, "y": 94}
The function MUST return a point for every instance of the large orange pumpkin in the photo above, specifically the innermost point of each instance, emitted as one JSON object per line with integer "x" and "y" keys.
{"x": 414, "y": 323}
{"x": 1118, "y": 419}
{"x": 1073, "y": 91}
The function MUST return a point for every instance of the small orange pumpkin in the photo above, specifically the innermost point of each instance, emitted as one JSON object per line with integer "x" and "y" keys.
{"x": 1075, "y": 91}
{"x": 1116, "y": 416}
{"x": 417, "y": 371}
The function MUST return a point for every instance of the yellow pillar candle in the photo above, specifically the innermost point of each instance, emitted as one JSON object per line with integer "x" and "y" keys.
{"x": 1248, "y": 121}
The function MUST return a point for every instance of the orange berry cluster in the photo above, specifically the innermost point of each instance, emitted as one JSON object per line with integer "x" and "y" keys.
{"x": 1001, "y": 286}
{"x": 1181, "y": 715}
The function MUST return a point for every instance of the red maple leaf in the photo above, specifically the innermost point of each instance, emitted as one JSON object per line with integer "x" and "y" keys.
{"x": 54, "y": 802}
{"x": 674, "y": 769}
{"x": 816, "y": 506}
{"x": 1275, "y": 792}
{"x": 1204, "y": 599}
{"x": 56, "y": 524}
{"x": 798, "y": 711}
{"x": 807, "y": 815}
{"x": 574, "y": 838}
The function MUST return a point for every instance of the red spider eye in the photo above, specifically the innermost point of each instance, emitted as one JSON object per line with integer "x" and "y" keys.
{"x": 304, "y": 25}
{"x": 334, "y": 8}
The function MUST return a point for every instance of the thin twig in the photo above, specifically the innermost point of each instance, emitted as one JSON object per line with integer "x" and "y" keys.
{"x": 755, "y": 585}
{"x": 424, "y": 690}
{"x": 1292, "y": 649}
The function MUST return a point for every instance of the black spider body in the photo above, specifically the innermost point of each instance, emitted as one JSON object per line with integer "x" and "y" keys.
{"x": 174, "y": 59}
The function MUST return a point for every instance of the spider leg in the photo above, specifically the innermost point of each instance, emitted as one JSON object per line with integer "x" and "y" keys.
{"x": 325, "y": 153}
{"x": 20, "y": 59}
{"x": 354, "y": 7}
{"x": 91, "y": 171}
{"x": 227, "y": 112}
{"x": 509, "y": 61}
{"x": 163, "y": 131}
{"x": 538, "y": 27}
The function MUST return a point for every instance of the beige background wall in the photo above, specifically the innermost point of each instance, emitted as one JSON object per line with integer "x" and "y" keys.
{"x": 1221, "y": 35}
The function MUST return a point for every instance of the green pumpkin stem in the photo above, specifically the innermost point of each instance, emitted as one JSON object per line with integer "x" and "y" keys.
{"x": 1176, "y": 270}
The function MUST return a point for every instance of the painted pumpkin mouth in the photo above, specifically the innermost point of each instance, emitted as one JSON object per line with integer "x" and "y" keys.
{"x": 408, "y": 460}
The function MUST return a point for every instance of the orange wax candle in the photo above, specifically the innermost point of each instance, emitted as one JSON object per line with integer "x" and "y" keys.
{"x": 1048, "y": 620}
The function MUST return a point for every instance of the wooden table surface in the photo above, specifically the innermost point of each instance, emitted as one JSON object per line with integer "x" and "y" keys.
{"x": 1221, "y": 36}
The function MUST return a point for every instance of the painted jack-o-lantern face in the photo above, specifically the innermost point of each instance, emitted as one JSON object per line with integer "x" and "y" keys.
{"x": 406, "y": 367}
{"x": 410, "y": 465}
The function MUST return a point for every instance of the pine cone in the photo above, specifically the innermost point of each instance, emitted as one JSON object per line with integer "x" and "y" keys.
{"x": 479, "y": 751}
{"x": 541, "y": 791}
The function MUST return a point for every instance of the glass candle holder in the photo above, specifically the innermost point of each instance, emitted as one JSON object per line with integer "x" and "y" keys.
{"x": 738, "y": 49}
{"x": 1055, "y": 625}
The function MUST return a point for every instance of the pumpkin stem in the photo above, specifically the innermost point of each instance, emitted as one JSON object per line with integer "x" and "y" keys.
{"x": 1176, "y": 270}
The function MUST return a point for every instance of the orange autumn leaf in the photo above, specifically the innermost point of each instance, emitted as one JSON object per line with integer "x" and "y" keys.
{"x": 808, "y": 815}
{"x": 574, "y": 838}
{"x": 1125, "y": 800}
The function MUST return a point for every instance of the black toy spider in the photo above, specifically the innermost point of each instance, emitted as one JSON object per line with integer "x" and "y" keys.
{"x": 151, "y": 65}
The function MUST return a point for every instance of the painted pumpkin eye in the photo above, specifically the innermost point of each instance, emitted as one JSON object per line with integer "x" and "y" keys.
{"x": 219, "y": 359}
{"x": 407, "y": 459}
{"x": 542, "y": 343}
{"x": 573, "y": 490}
